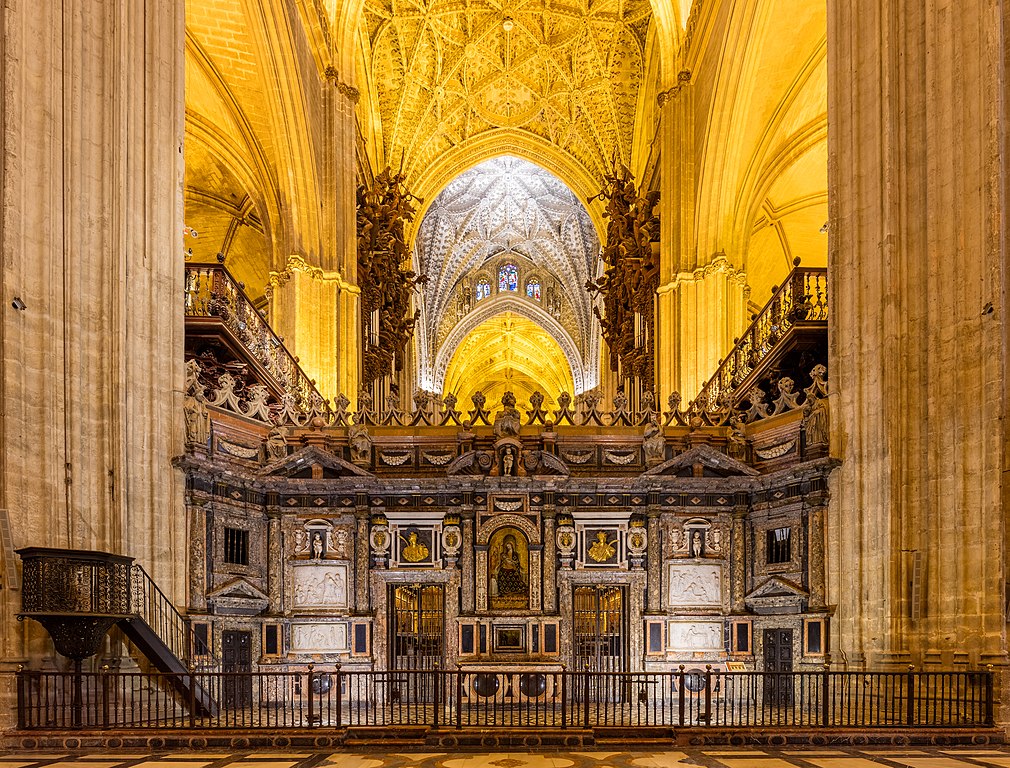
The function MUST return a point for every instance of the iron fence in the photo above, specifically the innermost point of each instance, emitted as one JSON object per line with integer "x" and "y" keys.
{"x": 504, "y": 698}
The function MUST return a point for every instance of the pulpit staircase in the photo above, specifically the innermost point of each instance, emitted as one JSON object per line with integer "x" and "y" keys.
{"x": 78, "y": 595}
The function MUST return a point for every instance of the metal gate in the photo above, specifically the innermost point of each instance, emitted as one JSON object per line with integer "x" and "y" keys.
{"x": 417, "y": 638}
{"x": 600, "y": 623}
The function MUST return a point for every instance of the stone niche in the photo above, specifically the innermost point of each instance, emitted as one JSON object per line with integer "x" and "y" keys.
{"x": 320, "y": 586}
{"x": 695, "y": 585}
{"x": 319, "y": 638}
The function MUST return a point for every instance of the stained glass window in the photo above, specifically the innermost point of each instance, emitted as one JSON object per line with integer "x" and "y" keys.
{"x": 533, "y": 289}
{"x": 483, "y": 289}
{"x": 508, "y": 278}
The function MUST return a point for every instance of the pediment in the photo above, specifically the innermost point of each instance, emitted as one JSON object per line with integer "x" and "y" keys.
{"x": 301, "y": 462}
{"x": 777, "y": 587}
{"x": 238, "y": 589}
{"x": 471, "y": 463}
{"x": 715, "y": 464}
{"x": 545, "y": 463}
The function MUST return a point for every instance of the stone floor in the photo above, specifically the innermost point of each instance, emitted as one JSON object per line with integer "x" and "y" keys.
{"x": 849, "y": 757}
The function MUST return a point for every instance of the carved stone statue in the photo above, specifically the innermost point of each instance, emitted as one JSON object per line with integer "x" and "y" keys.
{"x": 508, "y": 461}
{"x": 737, "y": 441}
{"x": 508, "y": 420}
{"x": 654, "y": 443}
{"x": 195, "y": 407}
{"x": 815, "y": 422}
{"x": 276, "y": 444}
{"x": 361, "y": 444}
{"x": 317, "y": 545}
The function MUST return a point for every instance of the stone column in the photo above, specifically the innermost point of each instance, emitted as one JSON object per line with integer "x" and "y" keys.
{"x": 91, "y": 180}
{"x": 306, "y": 313}
{"x": 702, "y": 297}
{"x": 738, "y": 561}
{"x": 917, "y": 94}
{"x": 466, "y": 559}
{"x": 815, "y": 551}
{"x": 197, "y": 556}
{"x": 362, "y": 601}
{"x": 550, "y": 562}
{"x": 655, "y": 562}
{"x": 275, "y": 563}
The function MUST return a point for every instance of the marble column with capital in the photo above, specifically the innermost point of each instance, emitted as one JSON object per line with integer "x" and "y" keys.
{"x": 361, "y": 597}
{"x": 655, "y": 563}
{"x": 466, "y": 560}
{"x": 550, "y": 561}
{"x": 197, "y": 557}
{"x": 275, "y": 564}
{"x": 815, "y": 552}
{"x": 738, "y": 544}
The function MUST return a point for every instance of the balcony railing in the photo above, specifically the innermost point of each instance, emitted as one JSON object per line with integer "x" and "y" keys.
{"x": 215, "y": 301}
{"x": 513, "y": 698}
{"x": 800, "y": 303}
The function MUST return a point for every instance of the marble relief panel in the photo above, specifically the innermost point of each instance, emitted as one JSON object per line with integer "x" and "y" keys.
{"x": 320, "y": 586}
{"x": 696, "y": 636}
{"x": 319, "y": 638}
{"x": 695, "y": 585}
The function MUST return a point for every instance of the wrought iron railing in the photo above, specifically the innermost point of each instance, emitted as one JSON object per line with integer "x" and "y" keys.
{"x": 213, "y": 294}
{"x": 64, "y": 586}
{"x": 516, "y": 698}
{"x": 171, "y": 627}
{"x": 801, "y": 301}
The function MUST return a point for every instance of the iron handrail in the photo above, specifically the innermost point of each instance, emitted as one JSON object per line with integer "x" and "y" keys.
{"x": 802, "y": 298}
{"x": 212, "y": 292}
{"x": 508, "y": 698}
{"x": 154, "y": 607}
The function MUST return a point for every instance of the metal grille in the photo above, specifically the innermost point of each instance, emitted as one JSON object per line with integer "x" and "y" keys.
{"x": 505, "y": 698}
{"x": 236, "y": 546}
{"x": 600, "y": 624}
{"x": 778, "y": 545}
{"x": 418, "y": 626}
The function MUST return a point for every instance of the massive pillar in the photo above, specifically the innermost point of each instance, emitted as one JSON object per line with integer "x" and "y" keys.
{"x": 315, "y": 299}
{"x": 91, "y": 325}
{"x": 702, "y": 298}
{"x": 917, "y": 100}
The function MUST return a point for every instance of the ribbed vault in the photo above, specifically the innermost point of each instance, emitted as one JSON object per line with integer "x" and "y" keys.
{"x": 507, "y": 215}
{"x": 508, "y": 352}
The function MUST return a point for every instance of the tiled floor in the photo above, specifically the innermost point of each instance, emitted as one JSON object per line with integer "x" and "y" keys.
{"x": 913, "y": 757}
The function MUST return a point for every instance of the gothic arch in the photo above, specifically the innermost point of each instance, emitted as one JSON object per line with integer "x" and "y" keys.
{"x": 505, "y": 141}
{"x": 582, "y": 376}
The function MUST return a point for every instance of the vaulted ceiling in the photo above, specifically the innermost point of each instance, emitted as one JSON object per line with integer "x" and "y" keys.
{"x": 564, "y": 73}
{"x": 507, "y": 211}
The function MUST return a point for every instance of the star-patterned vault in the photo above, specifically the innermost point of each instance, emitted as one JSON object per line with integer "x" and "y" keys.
{"x": 567, "y": 72}
{"x": 507, "y": 236}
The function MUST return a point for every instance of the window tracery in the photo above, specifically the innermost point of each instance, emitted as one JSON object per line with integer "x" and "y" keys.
{"x": 483, "y": 289}
{"x": 533, "y": 288}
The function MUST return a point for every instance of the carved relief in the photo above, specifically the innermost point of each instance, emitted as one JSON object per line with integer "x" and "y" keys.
{"x": 318, "y": 638}
{"x": 696, "y": 636}
{"x": 695, "y": 585}
{"x": 320, "y": 586}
